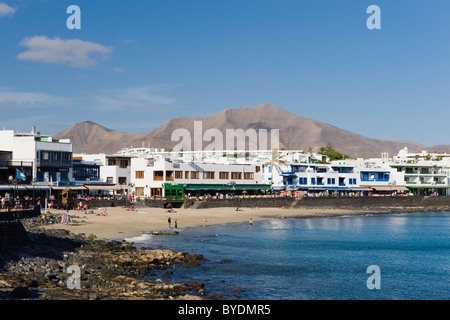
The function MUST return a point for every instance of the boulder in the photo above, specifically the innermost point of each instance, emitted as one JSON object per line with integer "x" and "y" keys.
{"x": 21, "y": 292}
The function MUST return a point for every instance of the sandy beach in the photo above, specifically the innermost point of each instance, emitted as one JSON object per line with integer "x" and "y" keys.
{"x": 121, "y": 224}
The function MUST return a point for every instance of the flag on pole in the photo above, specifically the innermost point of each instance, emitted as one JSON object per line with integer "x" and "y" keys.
{"x": 21, "y": 175}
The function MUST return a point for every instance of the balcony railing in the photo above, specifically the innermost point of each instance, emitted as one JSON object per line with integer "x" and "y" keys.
{"x": 13, "y": 163}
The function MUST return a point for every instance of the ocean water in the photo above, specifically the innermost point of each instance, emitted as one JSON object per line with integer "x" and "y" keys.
{"x": 319, "y": 258}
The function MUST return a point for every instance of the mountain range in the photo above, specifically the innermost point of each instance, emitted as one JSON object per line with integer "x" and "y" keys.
{"x": 295, "y": 133}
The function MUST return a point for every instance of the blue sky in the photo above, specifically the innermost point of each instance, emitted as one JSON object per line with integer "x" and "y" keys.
{"x": 137, "y": 64}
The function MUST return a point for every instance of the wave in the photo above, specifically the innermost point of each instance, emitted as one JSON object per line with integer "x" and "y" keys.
{"x": 142, "y": 238}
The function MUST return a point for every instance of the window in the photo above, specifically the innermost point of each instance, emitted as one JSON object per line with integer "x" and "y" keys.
{"x": 195, "y": 175}
{"x": 139, "y": 174}
{"x": 302, "y": 181}
{"x": 109, "y": 180}
{"x": 124, "y": 163}
{"x": 122, "y": 180}
{"x": 375, "y": 176}
{"x": 112, "y": 162}
{"x": 66, "y": 156}
{"x": 313, "y": 181}
{"x": 178, "y": 174}
{"x": 236, "y": 175}
{"x": 224, "y": 175}
{"x": 45, "y": 155}
{"x": 248, "y": 175}
{"x": 169, "y": 175}
{"x": 186, "y": 174}
{"x": 331, "y": 181}
{"x": 56, "y": 156}
{"x": 158, "y": 175}
{"x": 155, "y": 192}
{"x": 140, "y": 191}
{"x": 208, "y": 175}
{"x": 257, "y": 169}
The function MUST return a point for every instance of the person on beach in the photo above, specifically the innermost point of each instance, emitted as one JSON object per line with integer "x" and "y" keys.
{"x": 66, "y": 218}
{"x": 169, "y": 221}
{"x": 176, "y": 225}
{"x": 251, "y": 223}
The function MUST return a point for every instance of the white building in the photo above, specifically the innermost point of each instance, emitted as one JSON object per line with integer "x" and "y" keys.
{"x": 150, "y": 175}
{"x": 114, "y": 170}
{"x": 42, "y": 159}
{"x": 146, "y": 172}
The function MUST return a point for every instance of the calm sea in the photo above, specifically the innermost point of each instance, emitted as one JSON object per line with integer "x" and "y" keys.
{"x": 319, "y": 258}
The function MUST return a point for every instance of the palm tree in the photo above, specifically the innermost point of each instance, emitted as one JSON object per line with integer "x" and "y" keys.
{"x": 275, "y": 161}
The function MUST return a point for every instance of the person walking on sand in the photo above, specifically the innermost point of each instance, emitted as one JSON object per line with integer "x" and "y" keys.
{"x": 176, "y": 225}
{"x": 169, "y": 221}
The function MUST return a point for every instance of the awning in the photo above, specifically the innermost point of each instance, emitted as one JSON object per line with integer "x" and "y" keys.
{"x": 361, "y": 189}
{"x": 338, "y": 189}
{"x": 75, "y": 188}
{"x": 23, "y": 187}
{"x": 38, "y": 187}
{"x": 317, "y": 189}
{"x": 102, "y": 187}
{"x": 252, "y": 187}
{"x": 390, "y": 188}
{"x": 208, "y": 187}
{"x": 428, "y": 187}
{"x": 224, "y": 187}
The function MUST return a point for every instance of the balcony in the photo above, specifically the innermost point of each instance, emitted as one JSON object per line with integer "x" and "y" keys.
{"x": 12, "y": 163}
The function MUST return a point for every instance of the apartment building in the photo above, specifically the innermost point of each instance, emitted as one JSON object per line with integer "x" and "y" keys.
{"x": 115, "y": 170}
{"x": 42, "y": 159}
{"x": 151, "y": 174}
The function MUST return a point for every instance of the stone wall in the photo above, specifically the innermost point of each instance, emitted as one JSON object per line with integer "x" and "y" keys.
{"x": 150, "y": 203}
{"x": 12, "y": 234}
{"x": 23, "y": 214}
{"x": 438, "y": 203}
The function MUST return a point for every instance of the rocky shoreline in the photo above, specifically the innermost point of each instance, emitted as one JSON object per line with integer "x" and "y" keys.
{"x": 109, "y": 270}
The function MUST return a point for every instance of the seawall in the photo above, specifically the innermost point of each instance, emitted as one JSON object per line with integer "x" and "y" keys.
{"x": 357, "y": 203}
{"x": 441, "y": 203}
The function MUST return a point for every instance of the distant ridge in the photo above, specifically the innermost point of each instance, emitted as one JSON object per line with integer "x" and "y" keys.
{"x": 90, "y": 137}
{"x": 296, "y": 132}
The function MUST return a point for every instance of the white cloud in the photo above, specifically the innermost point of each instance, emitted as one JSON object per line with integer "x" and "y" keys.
{"x": 135, "y": 98}
{"x": 6, "y": 10}
{"x": 120, "y": 70}
{"x": 76, "y": 53}
{"x": 23, "y": 100}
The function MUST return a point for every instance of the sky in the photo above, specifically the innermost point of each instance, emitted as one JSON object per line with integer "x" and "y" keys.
{"x": 136, "y": 64}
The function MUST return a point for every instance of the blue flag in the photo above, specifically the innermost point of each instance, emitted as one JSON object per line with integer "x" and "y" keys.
{"x": 21, "y": 175}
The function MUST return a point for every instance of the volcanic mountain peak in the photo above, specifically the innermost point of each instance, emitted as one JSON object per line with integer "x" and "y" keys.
{"x": 295, "y": 132}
